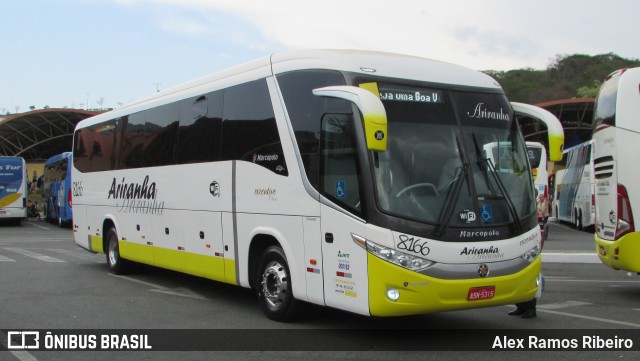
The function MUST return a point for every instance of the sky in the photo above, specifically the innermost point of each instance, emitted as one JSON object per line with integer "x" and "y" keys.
{"x": 105, "y": 53}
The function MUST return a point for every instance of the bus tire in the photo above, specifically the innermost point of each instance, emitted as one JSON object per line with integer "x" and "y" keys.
{"x": 579, "y": 224}
{"x": 274, "y": 287}
{"x": 117, "y": 265}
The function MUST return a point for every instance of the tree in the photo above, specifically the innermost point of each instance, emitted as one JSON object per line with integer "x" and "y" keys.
{"x": 567, "y": 76}
{"x": 589, "y": 91}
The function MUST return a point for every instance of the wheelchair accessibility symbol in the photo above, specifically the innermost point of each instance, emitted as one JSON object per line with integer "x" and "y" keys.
{"x": 486, "y": 213}
{"x": 341, "y": 189}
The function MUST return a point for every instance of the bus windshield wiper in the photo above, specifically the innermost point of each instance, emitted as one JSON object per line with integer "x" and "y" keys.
{"x": 507, "y": 198}
{"x": 486, "y": 164}
{"x": 452, "y": 195}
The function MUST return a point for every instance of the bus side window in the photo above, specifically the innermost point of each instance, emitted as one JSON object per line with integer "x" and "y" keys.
{"x": 103, "y": 150}
{"x": 133, "y": 138}
{"x": 162, "y": 135}
{"x": 200, "y": 128}
{"x": 82, "y": 141}
{"x": 306, "y": 110}
{"x": 249, "y": 130}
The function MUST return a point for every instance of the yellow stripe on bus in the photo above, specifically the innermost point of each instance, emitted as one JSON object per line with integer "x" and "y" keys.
{"x": 9, "y": 199}
{"x": 620, "y": 254}
{"x": 211, "y": 267}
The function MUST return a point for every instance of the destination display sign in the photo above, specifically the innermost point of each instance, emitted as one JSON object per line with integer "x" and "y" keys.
{"x": 409, "y": 94}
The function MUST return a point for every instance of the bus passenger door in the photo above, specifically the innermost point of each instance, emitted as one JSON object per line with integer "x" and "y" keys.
{"x": 344, "y": 261}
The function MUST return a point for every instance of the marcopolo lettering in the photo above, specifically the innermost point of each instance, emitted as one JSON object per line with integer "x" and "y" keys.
{"x": 265, "y": 158}
{"x": 482, "y": 234}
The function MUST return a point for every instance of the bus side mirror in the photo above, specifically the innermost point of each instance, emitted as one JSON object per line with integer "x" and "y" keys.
{"x": 373, "y": 113}
{"x": 554, "y": 127}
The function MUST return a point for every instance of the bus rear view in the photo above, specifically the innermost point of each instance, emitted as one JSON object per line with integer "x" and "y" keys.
{"x": 13, "y": 189}
{"x": 56, "y": 191}
{"x": 616, "y": 134}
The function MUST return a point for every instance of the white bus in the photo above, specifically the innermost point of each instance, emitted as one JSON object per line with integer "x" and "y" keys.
{"x": 537, "y": 155}
{"x": 616, "y": 135}
{"x": 318, "y": 176}
{"x": 13, "y": 188}
{"x": 538, "y": 161}
{"x": 574, "y": 195}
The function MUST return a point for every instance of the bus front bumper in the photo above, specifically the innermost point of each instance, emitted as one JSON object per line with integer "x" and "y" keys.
{"x": 623, "y": 254}
{"x": 420, "y": 294}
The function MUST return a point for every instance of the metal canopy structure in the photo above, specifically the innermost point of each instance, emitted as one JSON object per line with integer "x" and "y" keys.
{"x": 575, "y": 115}
{"x": 40, "y": 134}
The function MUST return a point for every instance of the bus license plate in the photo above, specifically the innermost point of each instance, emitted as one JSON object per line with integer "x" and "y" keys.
{"x": 481, "y": 293}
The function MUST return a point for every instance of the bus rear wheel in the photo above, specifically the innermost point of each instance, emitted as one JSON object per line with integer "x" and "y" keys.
{"x": 579, "y": 225}
{"x": 116, "y": 264}
{"x": 274, "y": 287}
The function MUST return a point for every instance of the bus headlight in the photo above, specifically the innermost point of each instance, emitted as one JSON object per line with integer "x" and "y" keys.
{"x": 401, "y": 259}
{"x": 393, "y": 294}
{"x": 531, "y": 254}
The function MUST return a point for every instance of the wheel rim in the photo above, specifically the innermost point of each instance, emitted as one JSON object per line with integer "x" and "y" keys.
{"x": 113, "y": 252}
{"x": 275, "y": 283}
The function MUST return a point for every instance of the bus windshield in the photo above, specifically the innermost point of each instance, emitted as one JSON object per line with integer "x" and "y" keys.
{"x": 605, "y": 105}
{"x": 454, "y": 158}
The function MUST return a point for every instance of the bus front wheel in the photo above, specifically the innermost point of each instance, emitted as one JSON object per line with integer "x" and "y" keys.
{"x": 116, "y": 264}
{"x": 274, "y": 288}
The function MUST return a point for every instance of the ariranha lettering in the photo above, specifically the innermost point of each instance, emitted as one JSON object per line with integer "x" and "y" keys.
{"x": 124, "y": 190}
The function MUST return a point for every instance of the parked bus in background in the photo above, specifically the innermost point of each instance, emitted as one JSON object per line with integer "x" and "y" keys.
{"x": 499, "y": 154}
{"x": 538, "y": 161}
{"x": 13, "y": 188}
{"x": 348, "y": 179}
{"x": 574, "y": 196}
{"x": 56, "y": 190}
{"x": 616, "y": 135}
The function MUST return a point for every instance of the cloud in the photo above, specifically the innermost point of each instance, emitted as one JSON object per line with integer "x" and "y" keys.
{"x": 488, "y": 34}
{"x": 411, "y": 27}
{"x": 497, "y": 44}
{"x": 184, "y": 25}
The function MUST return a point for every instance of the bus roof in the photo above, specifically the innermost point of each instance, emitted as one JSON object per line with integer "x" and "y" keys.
{"x": 11, "y": 157}
{"x": 357, "y": 61}
{"x": 583, "y": 144}
{"x": 58, "y": 157}
{"x": 383, "y": 64}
